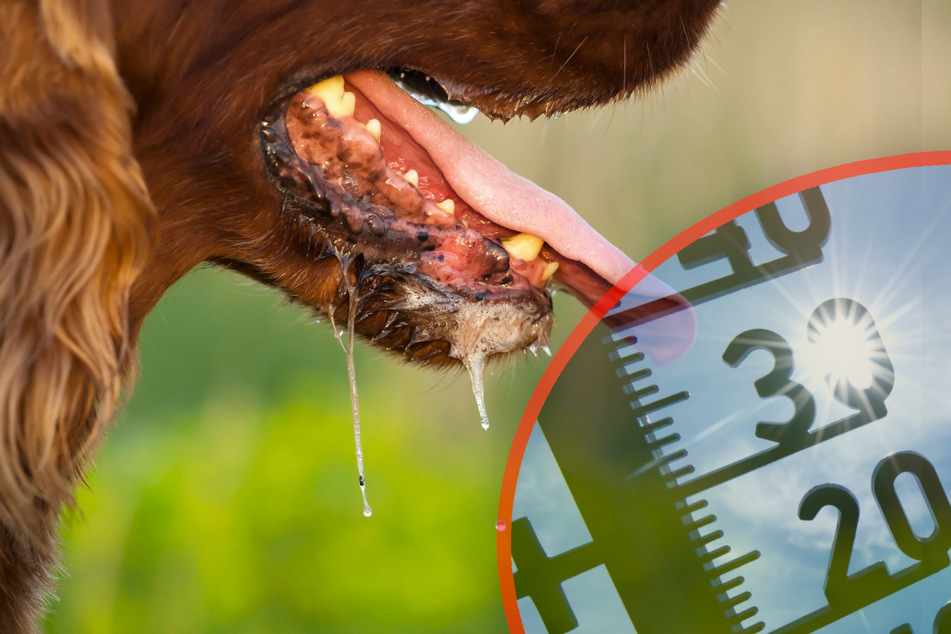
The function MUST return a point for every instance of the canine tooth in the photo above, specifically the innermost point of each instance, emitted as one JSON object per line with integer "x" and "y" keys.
{"x": 332, "y": 88}
{"x": 448, "y": 205}
{"x": 374, "y": 128}
{"x": 524, "y": 246}
{"x": 549, "y": 270}
{"x": 412, "y": 176}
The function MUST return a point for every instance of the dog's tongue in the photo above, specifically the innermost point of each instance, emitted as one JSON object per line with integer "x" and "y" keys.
{"x": 492, "y": 189}
{"x": 511, "y": 201}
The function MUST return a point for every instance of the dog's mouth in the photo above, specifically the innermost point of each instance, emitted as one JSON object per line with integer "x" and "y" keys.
{"x": 443, "y": 252}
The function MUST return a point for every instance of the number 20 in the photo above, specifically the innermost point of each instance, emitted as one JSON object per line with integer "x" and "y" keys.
{"x": 840, "y": 587}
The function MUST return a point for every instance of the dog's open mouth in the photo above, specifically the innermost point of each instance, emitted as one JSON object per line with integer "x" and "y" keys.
{"x": 448, "y": 253}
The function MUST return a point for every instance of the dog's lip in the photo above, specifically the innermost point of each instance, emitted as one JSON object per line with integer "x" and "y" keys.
{"x": 489, "y": 187}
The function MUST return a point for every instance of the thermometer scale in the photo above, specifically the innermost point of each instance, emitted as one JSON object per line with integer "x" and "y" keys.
{"x": 785, "y": 469}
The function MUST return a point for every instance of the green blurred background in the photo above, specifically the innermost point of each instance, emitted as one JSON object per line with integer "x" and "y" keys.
{"x": 225, "y": 497}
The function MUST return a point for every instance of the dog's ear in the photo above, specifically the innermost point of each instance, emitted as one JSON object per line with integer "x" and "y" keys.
{"x": 75, "y": 221}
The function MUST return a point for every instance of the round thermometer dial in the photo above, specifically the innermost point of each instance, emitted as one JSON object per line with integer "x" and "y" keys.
{"x": 765, "y": 444}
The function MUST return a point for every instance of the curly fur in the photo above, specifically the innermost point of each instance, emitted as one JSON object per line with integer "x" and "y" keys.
{"x": 74, "y": 216}
{"x": 99, "y": 97}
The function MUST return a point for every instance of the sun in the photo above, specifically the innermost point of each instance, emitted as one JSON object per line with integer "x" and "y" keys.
{"x": 847, "y": 349}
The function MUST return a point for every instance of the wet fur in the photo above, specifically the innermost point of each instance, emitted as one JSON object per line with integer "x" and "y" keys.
{"x": 128, "y": 155}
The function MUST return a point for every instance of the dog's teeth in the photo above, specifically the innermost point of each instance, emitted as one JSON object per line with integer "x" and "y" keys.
{"x": 331, "y": 92}
{"x": 338, "y": 102}
{"x": 348, "y": 103}
{"x": 549, "y": 271}
{"x": 412, "y": 177}
{"x": 448, "y": 205}
{"x": 331, "y": 88}
{"x": 524, "y": 246}
{"x": 373, "y": 127}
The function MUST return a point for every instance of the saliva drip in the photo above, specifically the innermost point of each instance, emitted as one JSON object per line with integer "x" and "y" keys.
{"x": 354, "y": 399}
{"x": 475, "y": 365}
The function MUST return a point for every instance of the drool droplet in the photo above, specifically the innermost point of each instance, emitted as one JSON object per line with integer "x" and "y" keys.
{"x": 500, "y": 525}
{"x": 476, "y": 365}
{"x": 367, "y": 511}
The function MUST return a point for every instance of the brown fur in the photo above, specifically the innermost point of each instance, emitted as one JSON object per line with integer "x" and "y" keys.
{"x": 100, "y": 98}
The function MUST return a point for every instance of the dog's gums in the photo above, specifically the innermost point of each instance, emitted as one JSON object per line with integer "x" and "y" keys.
{"x": 430, "y": 284}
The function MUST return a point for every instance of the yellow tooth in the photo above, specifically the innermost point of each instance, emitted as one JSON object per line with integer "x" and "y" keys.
{"x": 348, "y": 103}
{"x": 448, "y": 205}
{"x": 374, "y": 128}
{"x": 412, "y": 177}
{"x": 549, "y": 271}
{"x": 331, "y": 92}
{"x": 332, "y": 88}
{"x": 524, "y": 246}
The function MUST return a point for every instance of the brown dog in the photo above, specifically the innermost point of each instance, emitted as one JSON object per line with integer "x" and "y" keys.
{"x": 138, "y": 140}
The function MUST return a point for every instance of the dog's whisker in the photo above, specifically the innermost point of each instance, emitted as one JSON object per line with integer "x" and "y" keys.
{"x": 624, "y": 66}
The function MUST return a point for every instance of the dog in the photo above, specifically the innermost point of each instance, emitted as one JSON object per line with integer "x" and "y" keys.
{"x": 138, "y": 140}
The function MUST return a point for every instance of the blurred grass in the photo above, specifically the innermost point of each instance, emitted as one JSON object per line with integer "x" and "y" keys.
{"x": 225, "y": 498}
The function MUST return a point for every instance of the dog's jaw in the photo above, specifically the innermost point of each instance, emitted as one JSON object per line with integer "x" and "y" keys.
{"x": 425, "y": 283}
{"x": 425, "y": 223}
